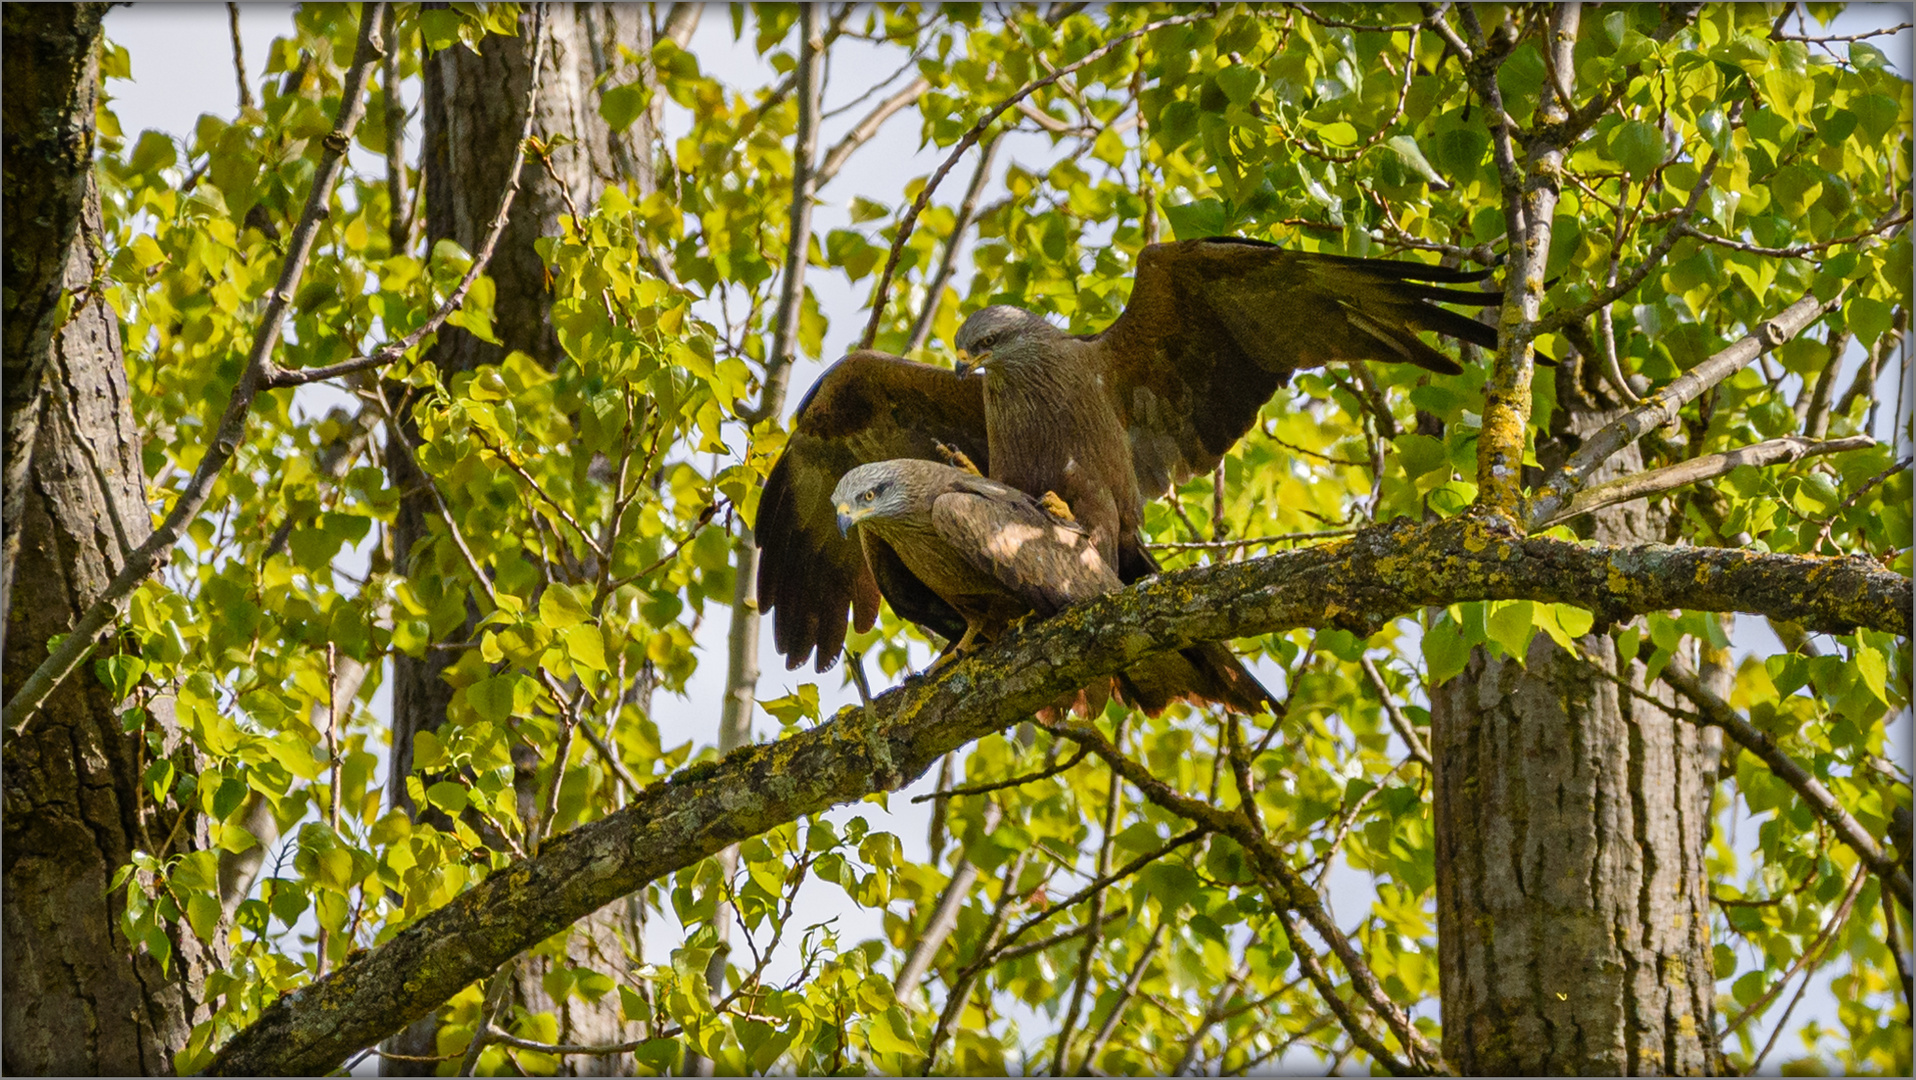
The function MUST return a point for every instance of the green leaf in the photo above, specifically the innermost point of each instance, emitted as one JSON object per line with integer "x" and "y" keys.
{"x": 1445, "y": 651}
{"x": 1638, "y": 146}
{"x": 1199, "y": 219}
{"x": 1511, "y": 624}
{"x": 448, "y": 796}
{"x": 1868, "y": 318}
{"x": 492, "y": 698}
{"x": 1175, "y": 886}
{"x": 586, "y": 647}
{"x": 203, "y": 915}
{"x": 801, "y": 704}
{"x": 1413, "y": 157}
{"x": 622, "y": 105}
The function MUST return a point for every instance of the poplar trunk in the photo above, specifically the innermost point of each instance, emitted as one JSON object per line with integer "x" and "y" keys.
{"x": 1573, "y": 912}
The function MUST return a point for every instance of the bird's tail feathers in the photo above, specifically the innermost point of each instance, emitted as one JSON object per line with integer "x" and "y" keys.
{"x": 1202, "y": 674}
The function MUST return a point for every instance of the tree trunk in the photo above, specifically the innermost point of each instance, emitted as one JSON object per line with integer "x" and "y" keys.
{"x": 46, "y": 127}
{"x": 79, "y": 997}
{"x": 1572, "y": 817}
{"x": 473, "y": 111}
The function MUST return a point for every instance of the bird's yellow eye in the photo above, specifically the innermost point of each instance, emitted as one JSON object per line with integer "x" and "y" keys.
{"x": 869, "y": 496}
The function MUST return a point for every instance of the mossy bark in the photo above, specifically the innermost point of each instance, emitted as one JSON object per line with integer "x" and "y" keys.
{"x": 1573, "y": 916}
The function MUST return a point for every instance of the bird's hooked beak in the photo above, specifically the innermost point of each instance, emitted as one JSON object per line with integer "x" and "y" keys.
{"x": 849, "y": 516}
{"x": 969, "y": 364}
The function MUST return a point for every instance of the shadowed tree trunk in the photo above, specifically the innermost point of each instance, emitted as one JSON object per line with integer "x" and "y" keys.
{"x": 472, "y": 113}
{"x": 78, "y": 997}
{"x": 1572, "y": 817}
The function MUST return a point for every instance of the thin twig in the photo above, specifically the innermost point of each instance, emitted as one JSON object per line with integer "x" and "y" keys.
{"x": 276, "y": 378}
{"x": 1805, "y": 958}
{"x": 970, "y": 138}
{"x": 805, "y": 181}
{"x": 239, "y": 58}
{"x": 1016, "y": 781}
{"x": 1397, "y": 718}
{"x": 1800, "y": 250}
{"x": 1823, "y": 534}
{"x": 947, "y": 263}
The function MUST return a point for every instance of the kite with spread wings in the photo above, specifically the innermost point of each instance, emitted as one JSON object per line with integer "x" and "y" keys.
{"x": 1211, "y": 330}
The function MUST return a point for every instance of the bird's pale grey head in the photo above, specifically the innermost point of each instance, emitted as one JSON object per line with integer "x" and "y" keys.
{"x": 877, "y": 490}
{"x": 1000, "y": 335}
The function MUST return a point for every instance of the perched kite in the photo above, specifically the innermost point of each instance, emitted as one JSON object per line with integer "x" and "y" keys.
{"x": 996, "y": 555}
{"x": 1212, "y": 329}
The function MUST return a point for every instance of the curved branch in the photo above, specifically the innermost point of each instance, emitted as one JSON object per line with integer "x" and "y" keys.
{"x": 1358, "y": 584}
{"x": 1783, "y": 451}
{"x": 1718, "y": 714}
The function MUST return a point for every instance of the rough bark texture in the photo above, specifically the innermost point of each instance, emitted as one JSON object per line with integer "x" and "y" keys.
{"x": 473, "y": 104}
{"x": 46, "y": 129}
{"x": 1357, "y": 583}
{"x": 1571, "y": 820}
{"x": 79, "y": 998}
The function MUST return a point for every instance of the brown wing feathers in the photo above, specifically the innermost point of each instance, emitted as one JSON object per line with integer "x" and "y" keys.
{"x": 867, "y": 407}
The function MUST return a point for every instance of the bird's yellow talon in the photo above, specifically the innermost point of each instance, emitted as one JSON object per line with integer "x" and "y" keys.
{"x": 959, "y": 459}
{"x": 1056, "y": 507}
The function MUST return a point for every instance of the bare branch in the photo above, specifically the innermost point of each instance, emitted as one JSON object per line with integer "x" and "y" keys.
{"x": 1397, "y": 718}
{"x": 863, "y": 132}
{"x": 681, "y": 22}
{"x": 882, "y": 291}
{"x": 1826, "y": 39}
{"x": 1810, "y": 957}
{"x": 1683, "y": 227}
{"x": 1717, "y": 713}
{"x": 1130, "y": 990}
{"x": 1016, "y": 781}
{"x": 944, "y": 919}
{"x": 239, "y": 57}
{"x": 398, "y": 225}
{"x": 805, "y": 181}
{"x": 1783, "y": 451}
{"x": 935, "y": 288}
{"x": 1661, "y": 407}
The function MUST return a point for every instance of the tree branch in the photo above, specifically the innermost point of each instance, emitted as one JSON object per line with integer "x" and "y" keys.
{"x": 858, "y": 136}
{"x": 805, "y": 181}
{"x": 1718, "y": 714}
{"x": 1661, "y": 407}
{"x": 1789, "y": 448}
{"x": 1358, "y": 584}
{"x": 967, "y": 210}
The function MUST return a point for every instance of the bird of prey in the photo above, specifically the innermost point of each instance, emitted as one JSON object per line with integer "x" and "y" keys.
{"x": 1212, "y": 328}
{"x": 997, "y": 555}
